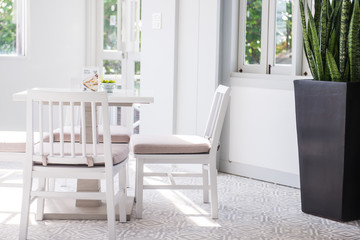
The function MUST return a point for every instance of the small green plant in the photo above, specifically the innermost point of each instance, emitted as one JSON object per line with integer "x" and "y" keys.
{"x": 332, "y": 39}
{"x": 107, "y": 81}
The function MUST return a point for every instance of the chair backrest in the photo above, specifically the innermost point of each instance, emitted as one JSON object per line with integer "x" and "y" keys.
{"x": 217, "y": 116}
{"x": 53, "y": 103}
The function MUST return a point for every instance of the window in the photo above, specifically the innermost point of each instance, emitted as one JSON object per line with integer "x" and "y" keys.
{"x": 12, "y": 28}
{"x": 118, "y": 54}
{"x": 268, "y": 37}
{"x": 119, "y": 48}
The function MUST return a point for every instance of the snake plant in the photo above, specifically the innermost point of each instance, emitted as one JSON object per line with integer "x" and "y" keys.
{"x": 332, "y": 39}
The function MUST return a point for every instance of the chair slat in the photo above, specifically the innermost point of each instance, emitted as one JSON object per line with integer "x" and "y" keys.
{"x": 83, "y": 129}
{"x": 72, "y": 126}
{"x": 51, "y": 128}
{"x": 212, "y": 117}
{"x": 216, "y": 114}
{"x": 41, "y": 131}
{"x": 61, "y": 120}
{"x": 93, "y": 122}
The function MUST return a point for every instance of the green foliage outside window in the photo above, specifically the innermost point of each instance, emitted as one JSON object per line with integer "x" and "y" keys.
{"x": 7, "y": 27}
{"x": 112, "y": 67}
{"x": 287, "y": 17}
{"x": 253, "y": 32}
{"x": 284, "y": 32}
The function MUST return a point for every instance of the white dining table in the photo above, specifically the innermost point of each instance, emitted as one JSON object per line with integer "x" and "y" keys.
{"x": 117, "y": 98}
{"x": 89, "y": 209}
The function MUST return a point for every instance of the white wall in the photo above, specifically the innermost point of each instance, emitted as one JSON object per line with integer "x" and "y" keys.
{"x": 198, "y": 58}
{"x": 158, "y": 66}
{"x": 180, "y": 64}
{"x": 56, "y": 53}
{"x": 262, "y": 140}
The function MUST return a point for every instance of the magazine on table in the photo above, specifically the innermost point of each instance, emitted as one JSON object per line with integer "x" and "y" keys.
{"x": 90, "y": 79}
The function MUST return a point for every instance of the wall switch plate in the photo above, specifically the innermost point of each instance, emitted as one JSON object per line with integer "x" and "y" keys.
{"x": 156, "y": 20}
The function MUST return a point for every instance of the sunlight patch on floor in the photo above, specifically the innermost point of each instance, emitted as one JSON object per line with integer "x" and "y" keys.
{"x": 10, "y": 205}
{"x": 193, "y": 211}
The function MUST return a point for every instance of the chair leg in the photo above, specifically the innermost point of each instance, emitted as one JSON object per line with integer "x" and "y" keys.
{"x": 139, "y": 187}
{"x": 40, "y": 201}
{"x": 123, "y": 193}
{"x": 214, "y": 195}
{"x": 205, "y": 173}
{"x": 127, "y": 174}
{"x": 25, "y": 207}
{"x": 110, "y": 206}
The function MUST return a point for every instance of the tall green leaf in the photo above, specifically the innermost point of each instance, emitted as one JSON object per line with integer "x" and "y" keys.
{"x": 315, "y": 43}
{"x": 346, "y": 77}
{"x": 308, "y": 50}
{"x": 332, "y": 42}
{"x": 317, "y": 14}
{"x": 335, "y": 14}
{"x": 329, "y": 9}
{"x": 309, "y": 35}
{"x": 354, "y": 45}
{"x": 336, "y": 55}
{"x": 344, "y": 28}
{"x": 337, "y": 18}
{"x": 327, "y": 76}
{"x": 323, "y": 30}
{"x": 334, "y": 71}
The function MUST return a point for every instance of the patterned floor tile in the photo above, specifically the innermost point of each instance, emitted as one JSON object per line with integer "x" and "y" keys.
{"x": 248, "y": 210}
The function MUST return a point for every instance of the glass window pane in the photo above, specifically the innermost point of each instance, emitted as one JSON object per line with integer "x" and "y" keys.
{"x": 136, "y": 120}
{"x": 110, "y": 24}
{"x": 253, "y": 32}
{"x": 140, "y": 25}
{"x": 137, "y": 75}
{"x": 7, "y": 27}
{"x": 283, "y": 30}
{"x": 137, "y": 68}
{"x": 112, "y": 67}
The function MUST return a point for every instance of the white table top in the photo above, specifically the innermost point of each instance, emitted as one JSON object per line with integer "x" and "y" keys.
{"x": 117, "y": 97}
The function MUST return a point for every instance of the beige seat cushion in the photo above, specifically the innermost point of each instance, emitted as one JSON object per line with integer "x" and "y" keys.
{"x": 15, "y": 141}
{"x": 119, "y": 151}
{"x": 169, "y": 144}
{"x": 119, "y": 134}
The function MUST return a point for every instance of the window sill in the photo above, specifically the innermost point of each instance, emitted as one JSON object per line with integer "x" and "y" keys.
{"x": 268, "y": 76}
{"x": 268, "y": 81}
{"x": 12, "y": 57}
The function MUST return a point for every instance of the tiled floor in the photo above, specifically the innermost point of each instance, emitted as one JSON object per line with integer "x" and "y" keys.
{"x": 248, "y": 209}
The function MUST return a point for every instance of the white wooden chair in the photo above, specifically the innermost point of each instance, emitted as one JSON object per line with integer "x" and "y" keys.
{"x": 183, "y": 149}
{"x": 72, "y": 159}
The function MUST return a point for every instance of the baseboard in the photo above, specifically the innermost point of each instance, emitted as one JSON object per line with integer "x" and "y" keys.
{"x": 264, "y": 174}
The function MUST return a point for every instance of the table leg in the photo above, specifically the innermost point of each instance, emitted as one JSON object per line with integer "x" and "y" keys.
{"x": 88, "y": 185}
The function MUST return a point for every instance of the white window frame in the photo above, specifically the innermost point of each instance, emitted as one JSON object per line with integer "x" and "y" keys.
{"x": 253, "y": 68}
{"x": 128, "y": 37}
{"x": 109, "y": 54}
{"x": 127, "y": 49}
{"x": 20, "y": 29}
{"x": 268, "y": 26}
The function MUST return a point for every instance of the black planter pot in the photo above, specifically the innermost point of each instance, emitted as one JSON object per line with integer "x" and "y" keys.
{"x": 328, "y": 128}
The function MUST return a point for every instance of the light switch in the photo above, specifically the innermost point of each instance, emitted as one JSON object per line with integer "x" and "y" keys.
{"x": 156, "y": 20}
